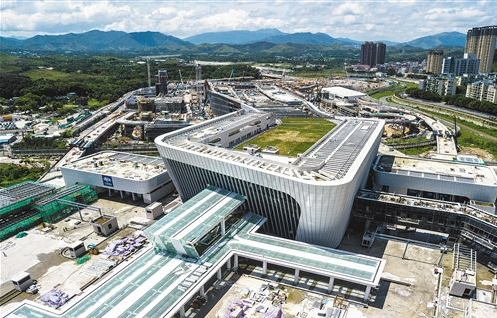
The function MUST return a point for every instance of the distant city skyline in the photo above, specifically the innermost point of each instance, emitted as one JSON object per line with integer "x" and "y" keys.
{"x": 359, "y": 20}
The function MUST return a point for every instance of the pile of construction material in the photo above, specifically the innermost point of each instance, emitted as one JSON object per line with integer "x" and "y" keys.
{"x": 125, "y": 246}
{"x": 54, "y": 298}
{"x": 100, "y": 267}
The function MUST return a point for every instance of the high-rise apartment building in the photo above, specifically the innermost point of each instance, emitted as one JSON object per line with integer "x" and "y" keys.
{"x": 469, "y": 65}
{"x": 481, "y": 42}
{"x": 373, "y": 53}
{"x": 434, "y": 61}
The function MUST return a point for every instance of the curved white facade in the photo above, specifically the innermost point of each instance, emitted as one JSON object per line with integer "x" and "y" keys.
{"x": 309, "y": 200}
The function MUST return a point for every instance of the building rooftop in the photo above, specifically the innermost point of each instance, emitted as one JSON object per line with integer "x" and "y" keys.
{"x": 192, "y": 220}
{"x": 328, "y": 159}
{"x": 119, "y": 164}
{"x": 437, "y": 169}
{"x": 342, "y": 92}
{"x": 158, "y": 283}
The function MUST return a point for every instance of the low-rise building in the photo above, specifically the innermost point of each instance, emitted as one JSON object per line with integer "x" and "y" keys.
{"x": 123, "y": 173}
{"x": 341, "y": 93}
{"x": 443, "y": 86}
{"x": 483, "y": 91}
{"x": 435, "y": 179}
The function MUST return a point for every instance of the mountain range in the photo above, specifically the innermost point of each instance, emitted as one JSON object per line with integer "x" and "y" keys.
{"x": 224, "y": 42}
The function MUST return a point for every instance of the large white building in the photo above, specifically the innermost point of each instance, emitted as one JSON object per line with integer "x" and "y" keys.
{"x": 341, "y": 93}
{"x": 309, "y": 200}
{"x": 122, "y": 174}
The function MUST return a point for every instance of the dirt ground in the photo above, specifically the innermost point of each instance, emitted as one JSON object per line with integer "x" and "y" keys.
{"x": 395, "y": 130}
{"x": 39, "y": 253}
{"x": 297, "y": 301}
{"x": 409, "y": 285}
{"x": 485, "y": 155}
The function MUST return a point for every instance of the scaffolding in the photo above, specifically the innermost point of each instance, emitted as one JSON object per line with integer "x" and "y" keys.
{"x": 55, "y": 208}
{"x": 16, "y": 206}
{"x": 20, "y": 226}
{"x": 28, "y": 204}
{"x": 21, "y": 195}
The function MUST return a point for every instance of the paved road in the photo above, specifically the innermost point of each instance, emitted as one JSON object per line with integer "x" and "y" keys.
{"x": 452, "y": 107}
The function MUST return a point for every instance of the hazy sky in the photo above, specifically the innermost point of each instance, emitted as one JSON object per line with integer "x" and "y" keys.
{"x": 361, "y": 20}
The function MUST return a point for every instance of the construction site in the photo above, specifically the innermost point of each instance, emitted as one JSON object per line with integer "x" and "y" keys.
{"x": 108, "y": 235}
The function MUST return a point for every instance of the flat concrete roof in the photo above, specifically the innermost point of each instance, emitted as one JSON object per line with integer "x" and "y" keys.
{"x": 119, "y": 164}
{"x": 342, "y": 92}
{"x": 329, "y": 159}
{"x": 437, "y": 169}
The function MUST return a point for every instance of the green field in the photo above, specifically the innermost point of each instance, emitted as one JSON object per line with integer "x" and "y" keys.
{"x": 293, "y": 136}
{"x": 381, "y": 94}
{"x": 309, "y": 73}
{"x": 413, "y": 140}
{"x": 54, "y": 75}
{"x": 11, "y": 174}
{"x": 416, "y": 151}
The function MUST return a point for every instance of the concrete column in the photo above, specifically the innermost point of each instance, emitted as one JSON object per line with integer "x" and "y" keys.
{"x": 110, "y": 193}
{"x": 297, "y": 277}
{"x": 202, "y": 291}
{"x": 330, "y": 284}
{"x": 366, "y": 294}
{"x": 236, "y": 261}
{"x": 228, "y": 263}
{"x": 219, "y": 274}
{"x": 264, "y": 267}
{"x": 223, "y": 227}
{"x": 133, "y": 196}
{"x": 182, "y": 313}
{"x": 121, "y": 193}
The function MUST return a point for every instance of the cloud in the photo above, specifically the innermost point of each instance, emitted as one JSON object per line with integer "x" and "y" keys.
{"x": 397, "y": 20}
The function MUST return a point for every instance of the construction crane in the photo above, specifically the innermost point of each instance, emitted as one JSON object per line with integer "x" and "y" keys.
{"x": 180, "y": 77}
{"x": 346, "y": 73}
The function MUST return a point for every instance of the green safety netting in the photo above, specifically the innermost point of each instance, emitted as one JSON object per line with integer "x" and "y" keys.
{"x": 55, "y": 210}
